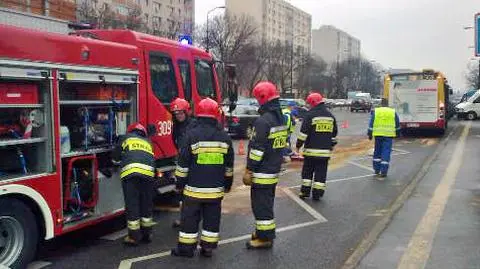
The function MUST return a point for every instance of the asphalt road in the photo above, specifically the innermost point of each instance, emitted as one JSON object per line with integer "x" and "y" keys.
{"x": 310, "y": 234}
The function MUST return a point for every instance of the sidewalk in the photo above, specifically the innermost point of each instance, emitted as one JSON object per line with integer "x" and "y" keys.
{"x": 438, "y": 226}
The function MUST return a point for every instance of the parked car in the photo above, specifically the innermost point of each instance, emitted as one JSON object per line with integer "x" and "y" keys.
{"x": 360, "y": 103}
{"x": 247, "y": 102}
{"x": 239, "y": 122}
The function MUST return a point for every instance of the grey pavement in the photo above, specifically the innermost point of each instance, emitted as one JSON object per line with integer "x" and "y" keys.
{"x": 353, "y": 203}
{"x": 454, "y": 242}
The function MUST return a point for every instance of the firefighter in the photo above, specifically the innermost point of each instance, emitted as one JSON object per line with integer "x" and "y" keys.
{"x": 134, "y": 154}
{"x": 290, "y": 122}
{"x": 180, "y": 108}
{"x": 204, "y": 173}
{"x": 182, "y": 121}
{"x": 265, "y": 155}
{"x": 384, "y": 126}
{"x": 318, "y": 136}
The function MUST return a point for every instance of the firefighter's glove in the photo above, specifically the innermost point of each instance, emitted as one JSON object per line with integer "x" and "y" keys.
{"x": 334, "y": 143}
{"x": 227, "y": 190}
{"x": 370, "y": 137}
{"x": 247, "y": 177}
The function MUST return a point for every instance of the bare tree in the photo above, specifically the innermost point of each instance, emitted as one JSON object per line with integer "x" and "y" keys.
{"x": 473, "y": 76}
{"x": 232, "y": 39}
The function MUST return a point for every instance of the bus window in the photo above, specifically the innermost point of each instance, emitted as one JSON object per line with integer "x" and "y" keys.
{"x": 184, "y": 66}
{"x": 162, "y": 76}
{"x": 205, "y": 79}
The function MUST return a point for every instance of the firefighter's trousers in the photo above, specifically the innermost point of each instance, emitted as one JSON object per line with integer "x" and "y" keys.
{"x": 314, "y": 176}
{"x": 262, "y": 199}
{"x": 381, "y": 155}
{"x": 193, "y": 211}
{"x": 138, "y": 194}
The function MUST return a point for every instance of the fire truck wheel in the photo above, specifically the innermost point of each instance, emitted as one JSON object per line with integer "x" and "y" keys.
{"x": 18, "y": 233}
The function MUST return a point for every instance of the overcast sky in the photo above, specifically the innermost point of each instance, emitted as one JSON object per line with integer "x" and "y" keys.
{"x": 412, "y": 34}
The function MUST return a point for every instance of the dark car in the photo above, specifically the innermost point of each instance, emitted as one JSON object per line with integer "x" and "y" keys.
{"x": 240, "y": 120}
{"x": 361, "y": 104}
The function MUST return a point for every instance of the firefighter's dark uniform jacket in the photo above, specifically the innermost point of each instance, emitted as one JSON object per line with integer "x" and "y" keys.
{"x": 180, "y": 130}
{"x": 267, "y": 142}
{"x": 205, "y": 165}
{"x": 134, "y": 154}
{"x": 268, "y": 139}
{"x": 318, "y": 133}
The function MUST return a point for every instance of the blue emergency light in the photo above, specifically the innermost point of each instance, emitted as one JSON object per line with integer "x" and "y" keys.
{"x": 185, "y": 39}
{"x": 477, "y": 35}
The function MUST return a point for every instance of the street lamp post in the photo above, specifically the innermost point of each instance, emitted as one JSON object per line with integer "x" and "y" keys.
{"x": 208, "y": 13}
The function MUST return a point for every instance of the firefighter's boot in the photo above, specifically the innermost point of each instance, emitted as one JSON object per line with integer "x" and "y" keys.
{"x": 178, "y": 252}
{"x": 254, "y": 236}
{"x": 303, "y": 195}
{"x": 206, "y": 252}
{"x": 129, "y": 241}
{"x": 317, "y": 194}
{"x": 259, "y": 244}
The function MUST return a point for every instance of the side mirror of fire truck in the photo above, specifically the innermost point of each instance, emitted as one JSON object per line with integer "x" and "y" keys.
{"x": 232, "y": 85}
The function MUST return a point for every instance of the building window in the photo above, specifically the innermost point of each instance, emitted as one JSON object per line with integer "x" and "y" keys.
{"x": 146, "y": 2}
{"x": 162, "y": 75}
{"x": 157, "y": 7}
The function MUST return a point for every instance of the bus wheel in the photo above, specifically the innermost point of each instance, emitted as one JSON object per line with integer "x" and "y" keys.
{"x": 18, "y": 234}
{"x": 471, "y": 115}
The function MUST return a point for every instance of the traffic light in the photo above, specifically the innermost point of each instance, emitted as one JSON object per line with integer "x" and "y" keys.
{"x": 185, "y": 39}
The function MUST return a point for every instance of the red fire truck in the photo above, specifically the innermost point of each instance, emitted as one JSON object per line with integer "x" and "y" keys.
{"x": 64, "y": 99}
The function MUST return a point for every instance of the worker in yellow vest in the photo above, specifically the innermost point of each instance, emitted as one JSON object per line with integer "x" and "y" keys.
{"x": 384, "y": 126}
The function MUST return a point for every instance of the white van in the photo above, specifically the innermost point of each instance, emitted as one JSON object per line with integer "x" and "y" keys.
{"x": 469, "y": 109}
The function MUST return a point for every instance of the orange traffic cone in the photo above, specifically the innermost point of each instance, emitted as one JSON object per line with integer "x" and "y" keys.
{"x": 241, "y": 148}
{"x": 345, "y": 124}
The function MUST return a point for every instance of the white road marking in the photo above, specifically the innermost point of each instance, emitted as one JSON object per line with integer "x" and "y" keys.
{"x": 338, "y": 180}
{"x": 127, "y": 264}
{"x": 401, "y": 150}
{"x": 38, "y": 265}
{"x": 420, "y": 245}
{"x": 116, "y": 235}
{"x": 362, "y": 166}
{"x": 304, "y": 205}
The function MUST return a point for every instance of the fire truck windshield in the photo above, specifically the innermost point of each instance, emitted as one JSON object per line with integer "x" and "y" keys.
{"x": 205, "y": 80}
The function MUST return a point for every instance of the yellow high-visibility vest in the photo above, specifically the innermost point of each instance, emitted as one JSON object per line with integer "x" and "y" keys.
{"x": 384, "y": 122}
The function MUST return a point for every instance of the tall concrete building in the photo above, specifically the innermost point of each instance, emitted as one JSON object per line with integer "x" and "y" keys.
{"x": 277, "y": 20}
{"x": 334, "y": 45}
{"x": 169, "y": 16}
{"x": 163, "y": 17}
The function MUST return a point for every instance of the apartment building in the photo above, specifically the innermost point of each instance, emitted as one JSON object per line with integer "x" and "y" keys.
{"x": 277, "y": 20}
{"x": 334, "y": 45}
{"x": 169, "y": 16}
{"x": 58, "y": 9}
{"x": 162, "y": 17}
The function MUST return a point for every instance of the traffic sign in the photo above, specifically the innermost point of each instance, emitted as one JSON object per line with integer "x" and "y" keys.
{"x": 477, "y": 35}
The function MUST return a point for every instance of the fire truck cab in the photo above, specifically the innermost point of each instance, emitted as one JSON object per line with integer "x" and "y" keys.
{"x": 64, "y": 101}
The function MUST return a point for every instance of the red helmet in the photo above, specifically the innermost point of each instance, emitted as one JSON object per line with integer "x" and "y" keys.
{"x": 314, "y": 99}
{"x": 208, "y": 108}
{"x": 265, "y": 91}
{"x": 137, "y": 127}
{"x": 179, "y": 104}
